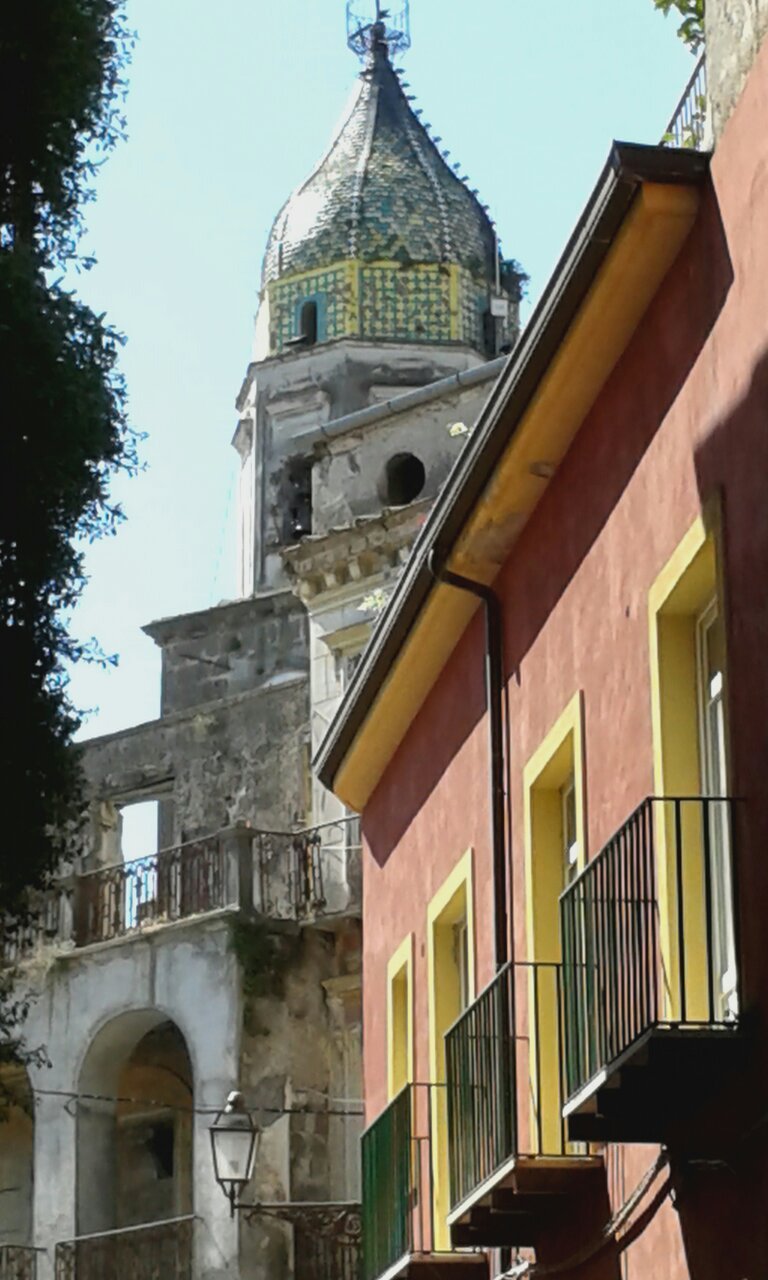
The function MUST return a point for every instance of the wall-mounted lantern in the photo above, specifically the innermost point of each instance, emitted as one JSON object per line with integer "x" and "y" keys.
{"x": 233, "y": 1143}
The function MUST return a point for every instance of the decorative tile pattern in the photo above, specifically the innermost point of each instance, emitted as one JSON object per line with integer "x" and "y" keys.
{"x": 382, "y": 192}
{"x": 383, "y": 301}
{"x": 286, "y": 296}
{"x": 473, "y": 305}
{"x": 411, "y": 304}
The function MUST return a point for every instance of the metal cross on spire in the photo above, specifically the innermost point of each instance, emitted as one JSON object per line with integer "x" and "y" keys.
{"x": 371, "y": 20}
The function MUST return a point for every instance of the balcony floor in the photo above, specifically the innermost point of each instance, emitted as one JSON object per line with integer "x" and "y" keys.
{"x": 523, "y": 1199}
{"x": 662, "y": 1089}
{"x": 439, "y": 1266}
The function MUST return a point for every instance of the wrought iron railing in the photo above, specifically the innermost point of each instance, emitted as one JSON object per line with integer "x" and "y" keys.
{"x": 170, "y": 885}
{"x": 17, "y": 1262}
{"x": 504, "y": 1076}
{"x": 688, "y": 125}
{"x": 157, "y": 1251}
{"x": 648, "y": 933}
{"x": 309, "y": 873}
{"x": 398, "y": 1181}
{"x": 296, "y": 876}
{"x": 48, "y": 920}
{"x": 326, "y": 1238}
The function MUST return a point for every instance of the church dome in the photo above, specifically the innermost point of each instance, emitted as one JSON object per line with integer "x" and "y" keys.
{"x": 383, "y": 241}
{"x": 381, "y": 191}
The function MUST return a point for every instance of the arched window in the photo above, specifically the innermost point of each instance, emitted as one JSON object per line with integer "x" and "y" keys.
{"x": 308, "y": 323}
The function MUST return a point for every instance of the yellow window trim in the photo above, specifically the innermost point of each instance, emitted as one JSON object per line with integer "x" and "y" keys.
{"x": 400, "y": 968}
{"x": 689, "y": 579}
{"x": 679, "y": 589}
{"x": 453, "y": 899}
{"x": 439, "y": 912}
{"x": 541, "y": 766}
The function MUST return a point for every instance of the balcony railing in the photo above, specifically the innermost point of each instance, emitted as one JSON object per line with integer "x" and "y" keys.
{"x": 304, "y": 874}
{"x": 49, "y": 920}
{"x": 158, "y": 1251}
{"x": 405, "y": 1192}
{"x": 504, "y": 1081}
{"x": 293, "y": 876}
{"x": 688, "y": 125}
{"x": 326, "y": 1238}
{"x": 398, "y": 1182}
{"x": 648, "y": 935}
{"x": 17, "y": 1262}
{"x": 171, "y": 885}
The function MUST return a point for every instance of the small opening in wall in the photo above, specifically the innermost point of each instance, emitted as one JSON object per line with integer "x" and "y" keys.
{"x": 297, "y": 511}
{"x": 139, "y": 834}
{"x": 308, "y": 323}
{"x": 404, "y": 478}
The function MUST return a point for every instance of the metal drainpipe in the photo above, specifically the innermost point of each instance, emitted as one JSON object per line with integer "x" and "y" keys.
{"x": 494, "y": 676}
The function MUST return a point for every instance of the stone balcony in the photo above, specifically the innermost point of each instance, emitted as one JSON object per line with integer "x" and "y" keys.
{"x": 295, "y": 878}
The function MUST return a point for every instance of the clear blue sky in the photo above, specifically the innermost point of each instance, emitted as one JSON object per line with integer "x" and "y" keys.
{"x": 230, "y": 105}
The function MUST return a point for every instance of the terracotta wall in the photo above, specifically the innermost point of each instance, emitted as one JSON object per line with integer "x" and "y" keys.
{"x": 684, "y": 415}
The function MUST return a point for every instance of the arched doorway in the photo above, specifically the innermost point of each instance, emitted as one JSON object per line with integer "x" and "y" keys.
{"x": 134, "y": 1125}
{"x": 16, "y": 1157}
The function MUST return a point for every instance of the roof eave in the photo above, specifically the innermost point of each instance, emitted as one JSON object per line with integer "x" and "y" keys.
{"x": 628, "y": 169}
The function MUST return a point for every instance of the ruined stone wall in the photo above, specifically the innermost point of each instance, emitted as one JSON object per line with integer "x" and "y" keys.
{"x": 287, "y": 401}
{"x": 230, "y": 649}
{"x": 351, "y": 479}
{"x": 735, "y": 30}
{"x": 300, "y": 1070}
{"x": 241, "y": 759}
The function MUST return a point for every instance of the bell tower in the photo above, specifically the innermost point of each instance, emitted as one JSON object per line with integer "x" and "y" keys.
{"x": 381, "y": 274}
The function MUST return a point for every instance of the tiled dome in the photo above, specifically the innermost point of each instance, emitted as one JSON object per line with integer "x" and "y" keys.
{"x": 381, "y": 192}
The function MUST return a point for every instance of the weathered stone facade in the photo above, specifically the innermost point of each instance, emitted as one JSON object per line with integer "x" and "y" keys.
{"x": 734, "y": 32}
{"x": 231, "y": 957}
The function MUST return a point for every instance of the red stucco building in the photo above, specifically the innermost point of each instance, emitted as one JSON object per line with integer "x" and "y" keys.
{"x": 557, "y": 740}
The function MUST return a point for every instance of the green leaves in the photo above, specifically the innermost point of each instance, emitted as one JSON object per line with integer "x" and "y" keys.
{"x": 64, "y": 430}
{"x": 691, "y": 29}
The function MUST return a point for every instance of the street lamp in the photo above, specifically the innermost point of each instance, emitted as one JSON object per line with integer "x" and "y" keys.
{"x": 233, "y": 1143}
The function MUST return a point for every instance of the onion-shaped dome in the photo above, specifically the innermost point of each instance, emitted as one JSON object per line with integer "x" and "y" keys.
{"x": 381, "y": 200}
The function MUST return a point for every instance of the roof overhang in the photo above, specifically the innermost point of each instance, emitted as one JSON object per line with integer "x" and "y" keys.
{"x": 627, "y": 238}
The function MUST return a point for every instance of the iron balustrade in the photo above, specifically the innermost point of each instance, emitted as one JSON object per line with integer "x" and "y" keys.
{"x": 17, "y": 1262}
{"x": 398, "y": 1181}
{"x": 645, "y": 928}
{"x": 504, "y": 1076}
{"x": 170, "y": 885}
{"x": 298, "y": 876}
{"x": 326, "y": 1238}
{"x": 305, "y": 874}
{"x": 47, "y": 921}
{"x": 156, "y": 1251}
{"x": 687, "y": 127}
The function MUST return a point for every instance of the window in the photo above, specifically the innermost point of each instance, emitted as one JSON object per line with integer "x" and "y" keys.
{"x": 688, "y": 686}
{"x": 308, "y": 323}
{"x": 554, "y": 817}
{"x": 297, "y": 498}
{"x": 555, "y": 848}
{"x": 461, "y": 960}
{"x": 400, "y": 1017}
{"x": 450, "y": 961}
{"x": 569, "y": 835}
{"x": 403, "y": 480}
{"x": 710, "y": 680}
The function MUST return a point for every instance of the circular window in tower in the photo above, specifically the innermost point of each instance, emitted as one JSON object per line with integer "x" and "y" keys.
{"x": 403, "y": 480}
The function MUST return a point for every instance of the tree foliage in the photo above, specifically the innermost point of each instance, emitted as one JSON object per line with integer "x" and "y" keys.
{"x": 64, "y": 426}
{"x": 691, "y": 29}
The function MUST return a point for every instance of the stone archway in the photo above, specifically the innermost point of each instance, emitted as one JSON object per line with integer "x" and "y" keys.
{"x": 134, "y": 1125}
{"x": 16, "y": 1156}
